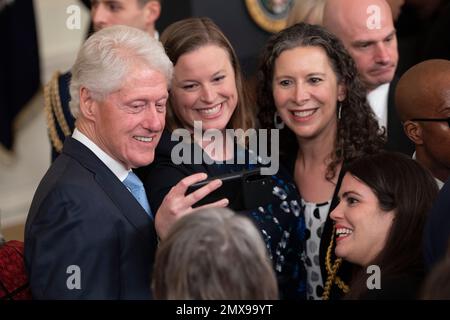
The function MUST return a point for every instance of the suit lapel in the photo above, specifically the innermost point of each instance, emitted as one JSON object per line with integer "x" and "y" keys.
{"x": 114, "y": 188}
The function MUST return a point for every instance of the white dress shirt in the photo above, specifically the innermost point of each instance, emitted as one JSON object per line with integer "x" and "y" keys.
{"x": 115, "y": 166}
{"x": 378, "y": 101}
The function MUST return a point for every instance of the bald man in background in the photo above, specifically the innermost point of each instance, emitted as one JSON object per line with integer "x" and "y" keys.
{"x": 423, "y": 104}
{"x": 367, "y": 31}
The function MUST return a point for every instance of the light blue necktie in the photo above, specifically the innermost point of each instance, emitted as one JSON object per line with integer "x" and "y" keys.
{"x": 136, "y": 187}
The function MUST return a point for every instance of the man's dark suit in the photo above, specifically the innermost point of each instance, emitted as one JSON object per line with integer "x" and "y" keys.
{"x": 397, "y": 139}
{"x": 82, "y": 215}
{"x": 437, "y": 229}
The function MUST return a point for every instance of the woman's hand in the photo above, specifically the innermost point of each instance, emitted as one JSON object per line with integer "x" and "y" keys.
{"x": 177, "y": 204}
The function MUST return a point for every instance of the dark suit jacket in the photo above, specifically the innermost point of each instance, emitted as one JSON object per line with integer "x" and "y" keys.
{"x": 397, "y": 139}
{"x": 83, "y": 216}
{"x": 437, "y": 229}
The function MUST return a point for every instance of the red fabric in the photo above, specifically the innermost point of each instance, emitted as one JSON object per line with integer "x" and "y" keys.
{"x": 13, "y": 277}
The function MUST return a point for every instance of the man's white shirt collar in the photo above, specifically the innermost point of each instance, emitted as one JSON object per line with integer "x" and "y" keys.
{"x": 378, "y": 101}
{"x": 115, "y": 166}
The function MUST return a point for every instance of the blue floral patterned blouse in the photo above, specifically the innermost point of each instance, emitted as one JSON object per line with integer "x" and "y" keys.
{"x": 281, "y": 221}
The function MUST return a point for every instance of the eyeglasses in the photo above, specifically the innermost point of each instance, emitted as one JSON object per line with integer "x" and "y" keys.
{"x": 433, "y": 119}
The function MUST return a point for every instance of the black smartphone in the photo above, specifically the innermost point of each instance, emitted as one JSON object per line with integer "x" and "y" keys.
{"x": 244, "y": 190}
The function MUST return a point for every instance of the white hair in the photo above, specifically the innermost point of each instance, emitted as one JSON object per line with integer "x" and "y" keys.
{"x": 108, "y": 55}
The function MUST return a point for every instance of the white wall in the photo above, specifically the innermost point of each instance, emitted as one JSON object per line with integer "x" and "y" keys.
{"x": 21, "y": 172}
{"x": 58, "y": 45}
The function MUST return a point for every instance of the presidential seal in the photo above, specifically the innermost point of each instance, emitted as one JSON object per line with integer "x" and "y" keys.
{"x": 269, "y": 14}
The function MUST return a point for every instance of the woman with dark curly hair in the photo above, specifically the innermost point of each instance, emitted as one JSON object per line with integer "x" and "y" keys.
{"x": 309, "y": 82}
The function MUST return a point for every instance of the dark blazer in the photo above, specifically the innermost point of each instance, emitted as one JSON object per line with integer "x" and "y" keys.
{"x": 437, "y": 229}
{"x": 396, "y": 137}
{"x": 83, "y": 216}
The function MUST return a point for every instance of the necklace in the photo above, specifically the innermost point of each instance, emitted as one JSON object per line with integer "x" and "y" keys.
{"x": 332, "y": 270}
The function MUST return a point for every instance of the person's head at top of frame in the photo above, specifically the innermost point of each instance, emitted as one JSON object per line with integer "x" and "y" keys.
{"x": 207, "y": 85}
{"x": 140, "y": 14}
{"x": 214, "y": 254}
{"x": 423, "y": 104}
{"x": 367, "y": 30}
{"x": 309, "y": 79}
{"x": 308, "y": 11}
{"x": 119, "y": 91}
{"x": 383, "y": 204}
